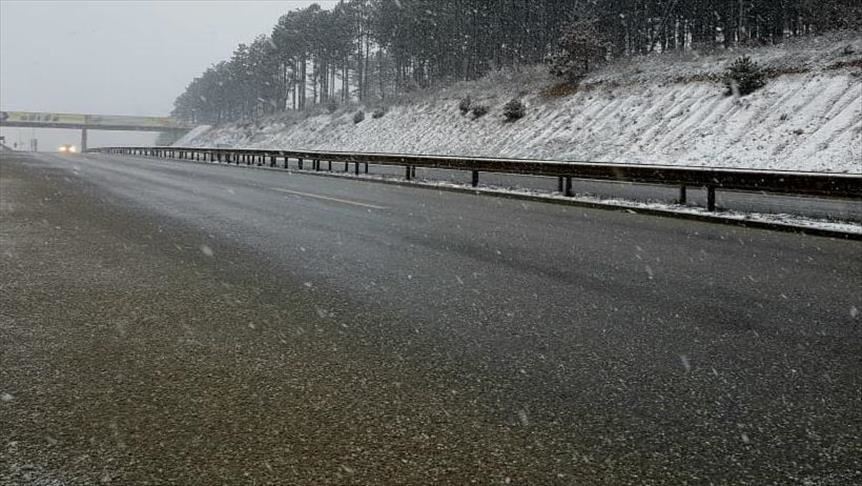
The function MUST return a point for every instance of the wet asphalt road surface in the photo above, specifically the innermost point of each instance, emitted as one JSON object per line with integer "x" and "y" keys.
{"x": 835, "y": 209}
{"x": 172, "y": 323}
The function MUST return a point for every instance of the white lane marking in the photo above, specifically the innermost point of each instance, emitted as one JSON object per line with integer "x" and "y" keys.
{"x": 327, "y": 198}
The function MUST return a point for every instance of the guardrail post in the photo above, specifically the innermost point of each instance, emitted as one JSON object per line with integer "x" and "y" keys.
{"x": 285, "y": 161}
{"x": 347, "y": 167}
{"x": 300, "y": 164}
{"x": 682, "y": 195}
{"x": 560, "y": 184}
{"x": 366, "y": 167}
{"x": 475, "y": 181}
{"x": 407, "y": 175}
{"x": 414, "y": 171}
{"x": 272, "y": 161}
{"x": 356, "y": 171}
{"x": 569, "y": 192}
{"x": 710, "y": 198}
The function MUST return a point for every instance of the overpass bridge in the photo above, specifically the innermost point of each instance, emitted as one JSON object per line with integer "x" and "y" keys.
{"x": 84, "y": 122}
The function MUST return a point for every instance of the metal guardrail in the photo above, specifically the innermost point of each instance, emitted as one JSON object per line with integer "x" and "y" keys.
{"x": 828, "y": 185}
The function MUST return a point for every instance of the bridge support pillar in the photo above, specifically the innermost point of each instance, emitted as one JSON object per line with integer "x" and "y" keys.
{"x": 83, "y": 140}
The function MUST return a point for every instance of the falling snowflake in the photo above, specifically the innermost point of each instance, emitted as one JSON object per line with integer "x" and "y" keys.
{"x": 685, "y": 362}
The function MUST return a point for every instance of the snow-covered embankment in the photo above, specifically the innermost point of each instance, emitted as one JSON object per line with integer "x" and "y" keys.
{"x": 808, "y": 120}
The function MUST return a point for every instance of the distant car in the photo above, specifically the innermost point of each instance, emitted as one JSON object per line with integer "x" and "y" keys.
{"x": 67, "y": 149}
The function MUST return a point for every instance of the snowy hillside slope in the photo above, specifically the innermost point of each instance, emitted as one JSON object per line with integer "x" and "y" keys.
{"x": 658, "y": 109}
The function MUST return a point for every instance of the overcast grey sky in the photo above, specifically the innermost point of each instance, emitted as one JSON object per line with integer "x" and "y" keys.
{"x": 117, "y": 57}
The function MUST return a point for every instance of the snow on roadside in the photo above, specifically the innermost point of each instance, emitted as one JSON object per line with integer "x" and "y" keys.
{"x": 192, "y": 135}
{"x": 785, "y": 219}
{"x": 637, "y": 112}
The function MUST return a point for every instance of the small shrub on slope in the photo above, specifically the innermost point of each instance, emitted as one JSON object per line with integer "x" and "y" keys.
{"x": 331, "y": 106}
{"x": 743, "y": 77}
{"x": 378, "y": 113}
{"x": 479, "y": 111}
{"x": 514, "y": 110}
{"x": 464, "y": 105}
{"x": 358, "y": 117}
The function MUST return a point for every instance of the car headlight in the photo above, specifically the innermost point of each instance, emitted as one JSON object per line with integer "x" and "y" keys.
{"x": 73, "y": 149}
{"x": 63, "y": 148}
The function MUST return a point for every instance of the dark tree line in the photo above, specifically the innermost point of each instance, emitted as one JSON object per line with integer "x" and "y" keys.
{"x": 367, "y": 50}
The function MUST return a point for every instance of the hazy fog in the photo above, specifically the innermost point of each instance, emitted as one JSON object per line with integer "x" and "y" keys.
{"x": 116, "y": 57}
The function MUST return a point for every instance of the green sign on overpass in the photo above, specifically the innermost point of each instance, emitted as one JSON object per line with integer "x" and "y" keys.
{"x": 96, "y": 122}
{"x": 35, "y": 119}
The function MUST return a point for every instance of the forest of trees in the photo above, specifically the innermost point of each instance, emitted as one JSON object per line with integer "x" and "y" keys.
{"x": 368, "y": 50}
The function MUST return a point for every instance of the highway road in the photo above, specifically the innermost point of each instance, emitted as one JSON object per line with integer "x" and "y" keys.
{"x": 163, "y": 322}
{"x": 839, "y": 209}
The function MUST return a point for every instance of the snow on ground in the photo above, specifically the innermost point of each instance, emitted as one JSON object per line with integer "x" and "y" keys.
{"x": 656, "y": 109}
{"x": 189, "y": 137}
